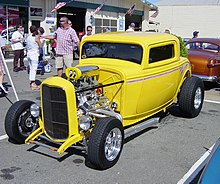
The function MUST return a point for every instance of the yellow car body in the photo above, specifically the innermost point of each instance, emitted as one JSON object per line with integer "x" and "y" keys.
{"x": 122, "y": 78}
{"x": 147, "y": 88}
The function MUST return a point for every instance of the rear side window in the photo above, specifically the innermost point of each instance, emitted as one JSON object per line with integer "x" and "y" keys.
{"x": 161, "y": 53}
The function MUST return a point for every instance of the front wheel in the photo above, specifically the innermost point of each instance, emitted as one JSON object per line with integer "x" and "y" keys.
{"x": 191, "y": 97}
{"x": 106, "y": 143}
{"x": 19, "y": 123}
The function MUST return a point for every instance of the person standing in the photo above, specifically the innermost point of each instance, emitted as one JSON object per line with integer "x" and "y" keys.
{"x": 131, "y": 27}
{"x": 195, "y": 45}
{"x": 88, "y": 31}
{"x": 33, "y": 45}
{"x": 42, "y": 40}
{"x": 2, "y": 70}
{"x": 17, "y": 46}
{"x": 66, "y": 41}
{"x": 195, "y": 34}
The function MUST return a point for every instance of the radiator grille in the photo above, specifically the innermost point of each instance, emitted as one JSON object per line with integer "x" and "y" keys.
{"x": 55, "y": 116}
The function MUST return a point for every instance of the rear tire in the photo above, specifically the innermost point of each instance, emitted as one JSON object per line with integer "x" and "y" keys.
{"x": 191, "y": 97}
{"x": 19, "y": 123}
{"x": 106, "y": 143}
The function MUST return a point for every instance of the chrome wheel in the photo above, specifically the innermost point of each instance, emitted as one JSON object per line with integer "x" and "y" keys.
{"x": 113, "y": 144}
{"x": 26, "y": 124}
{"x": 198, "y": 98}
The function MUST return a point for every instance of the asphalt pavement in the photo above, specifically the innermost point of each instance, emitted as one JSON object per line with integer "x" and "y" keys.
{"x": 160, "y": 155}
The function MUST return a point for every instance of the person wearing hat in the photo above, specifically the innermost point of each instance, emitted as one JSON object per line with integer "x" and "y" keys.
{"x": 195, "y": 34}
{"x": 194, "y": 45}
{"x": 131, "y": 27}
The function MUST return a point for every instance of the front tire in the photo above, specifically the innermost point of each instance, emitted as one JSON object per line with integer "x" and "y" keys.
{"x": 191, "y": 97}
{"x": 19, "y": 123}
{"x": 106, "y": 143}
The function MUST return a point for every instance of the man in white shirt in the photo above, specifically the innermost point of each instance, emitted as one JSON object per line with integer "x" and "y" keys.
{"x": 17, "y": 46}
{"x": 131, "y": 27}
{"x": 88, "y": 31}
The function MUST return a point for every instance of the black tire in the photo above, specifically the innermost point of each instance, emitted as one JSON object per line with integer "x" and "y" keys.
{"x": 97, "y": 146}
{"x": 18, "y": 121}
{"x": 191, "y": 97}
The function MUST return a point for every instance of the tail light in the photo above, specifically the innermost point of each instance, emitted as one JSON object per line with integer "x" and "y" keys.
{"x": 213, "y": 62}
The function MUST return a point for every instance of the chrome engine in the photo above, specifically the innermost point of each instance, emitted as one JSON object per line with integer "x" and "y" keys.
{"x": 91, "y": 100}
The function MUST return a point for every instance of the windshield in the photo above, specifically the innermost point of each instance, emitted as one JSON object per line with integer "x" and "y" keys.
{"x": 203, "y": 46}
{"x": 128, "y": 52}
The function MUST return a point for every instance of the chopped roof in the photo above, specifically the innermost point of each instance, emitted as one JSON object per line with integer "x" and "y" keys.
{"x": 131, "y": 37}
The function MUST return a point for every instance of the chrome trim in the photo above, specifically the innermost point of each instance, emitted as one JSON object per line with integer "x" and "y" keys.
{"x": 206, "y": 78}
{"x": 110, "y": 113}
{"x": 96, "y": 115}
{"x": 139, "y": 127}
{"x": 85, "y": 69}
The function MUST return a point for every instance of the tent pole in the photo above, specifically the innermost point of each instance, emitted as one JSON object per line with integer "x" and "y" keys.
{"x": 9, "y": 76}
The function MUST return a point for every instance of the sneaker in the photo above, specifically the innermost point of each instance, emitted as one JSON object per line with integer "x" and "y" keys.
{"x": 3, "y": 89}
{"x": 16, "y": 69}
{"x": 23, "y": 68}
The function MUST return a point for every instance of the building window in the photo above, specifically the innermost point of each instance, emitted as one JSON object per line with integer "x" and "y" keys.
{"x": 102, "y": 24}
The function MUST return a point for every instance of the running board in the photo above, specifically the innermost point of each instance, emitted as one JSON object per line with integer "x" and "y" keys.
{"x": 139, "y": 127}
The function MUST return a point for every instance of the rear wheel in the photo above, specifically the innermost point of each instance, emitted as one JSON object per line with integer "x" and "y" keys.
{"x": 191, "y": 97}
{"x": 106, "y": 143}
{"x": 19, "y": 123}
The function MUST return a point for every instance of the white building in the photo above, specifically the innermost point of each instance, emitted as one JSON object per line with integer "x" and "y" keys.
{"x": 80, "y": 12}
{"x": 182, "y": 17}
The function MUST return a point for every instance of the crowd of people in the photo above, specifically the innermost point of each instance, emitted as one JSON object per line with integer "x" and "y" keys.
{"x": 66, "y": 42}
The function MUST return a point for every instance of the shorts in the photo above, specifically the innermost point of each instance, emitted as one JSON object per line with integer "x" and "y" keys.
{"x": 62, "y": 60}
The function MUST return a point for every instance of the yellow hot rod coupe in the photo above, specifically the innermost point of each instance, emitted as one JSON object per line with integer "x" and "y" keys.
{"x": 121, "y": 81}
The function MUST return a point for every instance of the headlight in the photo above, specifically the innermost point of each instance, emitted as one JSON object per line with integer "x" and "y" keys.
{"x": 85, "y": 122}
{"x": 34, "y": 110}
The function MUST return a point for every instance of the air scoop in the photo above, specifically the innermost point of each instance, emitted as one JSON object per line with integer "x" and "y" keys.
{"x": 77, "y": 72}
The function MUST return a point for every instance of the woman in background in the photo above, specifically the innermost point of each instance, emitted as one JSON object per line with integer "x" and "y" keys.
{"x": 33, "y": 45}
{"x": 42, "y": 40}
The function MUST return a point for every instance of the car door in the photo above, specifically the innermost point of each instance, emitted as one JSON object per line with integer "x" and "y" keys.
{"x": 161, "y": 77}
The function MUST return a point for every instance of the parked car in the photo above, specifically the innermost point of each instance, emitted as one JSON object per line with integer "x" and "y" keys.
{"x": 122, "y": 80}
{"x": 206, "y": 170}
{"x": 204, "y": 56}
{"x": 211, "y": 172}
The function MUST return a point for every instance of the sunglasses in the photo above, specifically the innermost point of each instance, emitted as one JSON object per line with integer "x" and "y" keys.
{"x": 62, "y": 21}
{"x": 89, "y": 30}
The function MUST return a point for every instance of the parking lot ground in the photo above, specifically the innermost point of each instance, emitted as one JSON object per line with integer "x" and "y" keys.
{"x": 161, "y": 154}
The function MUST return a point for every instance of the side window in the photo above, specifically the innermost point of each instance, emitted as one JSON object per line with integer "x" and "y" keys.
{"x": 161, "y": 53}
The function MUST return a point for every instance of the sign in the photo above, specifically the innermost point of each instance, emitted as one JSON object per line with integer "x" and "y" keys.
{"x": 91, "y": 20}
{"x": 121, "y": 24}
{"x": 50, "y": 18}
{"x": 36, "y": 12}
